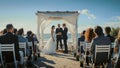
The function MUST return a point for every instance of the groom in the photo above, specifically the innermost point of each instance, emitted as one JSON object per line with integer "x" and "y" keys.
{"x": 65, "y": 30}
{"x": 59, "y": 32}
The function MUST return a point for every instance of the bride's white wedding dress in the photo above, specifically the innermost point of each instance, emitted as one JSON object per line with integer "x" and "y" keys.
{"x": 50, "y": 47}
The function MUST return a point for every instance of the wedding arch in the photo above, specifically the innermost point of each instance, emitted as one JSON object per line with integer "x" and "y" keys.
{"x": 69, "y": 17}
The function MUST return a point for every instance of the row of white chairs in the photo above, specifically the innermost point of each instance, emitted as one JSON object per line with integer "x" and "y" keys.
{"x": 10, "y": 47}
{"x": 99, "y": 49}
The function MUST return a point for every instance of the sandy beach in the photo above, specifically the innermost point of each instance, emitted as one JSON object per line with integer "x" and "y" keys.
{"x": 60, "y": 60}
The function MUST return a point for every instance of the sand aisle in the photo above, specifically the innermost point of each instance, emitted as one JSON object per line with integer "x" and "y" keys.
{"x": 61, "y": 60}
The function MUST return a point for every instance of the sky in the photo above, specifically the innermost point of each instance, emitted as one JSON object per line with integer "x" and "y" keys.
{"x": 21, "y": 13}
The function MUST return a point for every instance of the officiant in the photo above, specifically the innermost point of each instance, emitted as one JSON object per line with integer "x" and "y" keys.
{"x": 59, "y": 32}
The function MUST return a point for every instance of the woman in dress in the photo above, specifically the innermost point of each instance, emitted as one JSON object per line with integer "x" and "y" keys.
{"x": 116, "y": 55}
{"x": 50, "y": 47}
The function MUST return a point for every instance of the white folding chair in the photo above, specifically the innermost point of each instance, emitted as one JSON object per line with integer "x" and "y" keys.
{"x": 82, "y": 44}
{"x": 37, "y": 47}
{"x": 8, "y": 47}
{"x": 87, "y": 47}
{"x": 30, "y": 45}
{"x": 102, "y": 50}
{"x": 82, "y": 56}
{"x": 1, "y": 57}
{"x": 22, "y": 45}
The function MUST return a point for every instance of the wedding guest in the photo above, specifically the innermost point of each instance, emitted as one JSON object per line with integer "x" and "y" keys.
{"x": 30, "y": 39}
{"x": 115, "y": 57}
{"x": 35, "y": 41}
{"x": 10, "y": 38}
{"x": 99, "y": 39}
{"x": 4, "y": 31}
{"x": 117, "y": 45}
{"x": 117, "y": 41}
{"x": 15, "y": 31}
{"x": 1, "y": 32}
{"x": 23, "y": 39}
{"x": 112, "y": 39}
{"x": 89, "y": 35}
{"x": 80, "y": 48}
{"x": 81, "y": 39}
{"x": 107, "y": 31}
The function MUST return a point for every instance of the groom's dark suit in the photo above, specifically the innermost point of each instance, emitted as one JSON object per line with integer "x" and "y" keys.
{"x": 59, "y": 37}
{"x": 65, "y": 30}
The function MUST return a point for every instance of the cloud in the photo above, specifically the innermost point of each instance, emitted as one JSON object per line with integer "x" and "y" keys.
{"x": 113, "y": 22}
{"x": 84, "y": 27}
{"x": 115, "y": 18}
{"x": 86, "y": 12}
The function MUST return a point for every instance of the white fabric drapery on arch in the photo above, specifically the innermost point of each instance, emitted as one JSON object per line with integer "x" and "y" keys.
{"x": 45, "y": 17}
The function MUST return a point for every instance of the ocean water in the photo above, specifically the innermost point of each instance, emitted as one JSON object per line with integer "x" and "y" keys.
{"x": 47, "y": 36}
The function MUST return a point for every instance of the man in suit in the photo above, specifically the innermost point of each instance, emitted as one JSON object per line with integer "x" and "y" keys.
{"x": 10, "y": 38}
{"x": 59, "y": 32}
{"x": 65, "y": 30}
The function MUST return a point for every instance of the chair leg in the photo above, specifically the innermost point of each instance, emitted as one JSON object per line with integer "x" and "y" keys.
{"x": 15, "y": 64}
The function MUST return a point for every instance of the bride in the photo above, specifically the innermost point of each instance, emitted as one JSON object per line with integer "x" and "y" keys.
{"x": 50, "y": 47}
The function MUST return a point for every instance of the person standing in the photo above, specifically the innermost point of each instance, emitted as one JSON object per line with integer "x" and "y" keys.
{"x": 59, "y": 32}
{"x": 64, "y": 34}
{"x": 49, "y": 48}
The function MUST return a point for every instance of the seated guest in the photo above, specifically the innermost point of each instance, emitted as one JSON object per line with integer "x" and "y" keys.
{"x": 30, "y": 39}
{"x": 100, "y": 39}
{"x": 35, "y": 42}
{"x": 4, "y": 31}
{"x": 10, "y": 38}
{"x": 30, "y": 36}
{"x": 23, "y": 39}
{"x": 117, "y": 42}
{"x": 80, "y": 48}
{"x": 89, "y": 35}
{"x": 112, "y": 39}
{"x": 117, "y": 45}
{"x": 107, "y": 31}
{"x": 82, "y": 38}
{"x": 15, "y": 31}
{"x": 115, "y": 57}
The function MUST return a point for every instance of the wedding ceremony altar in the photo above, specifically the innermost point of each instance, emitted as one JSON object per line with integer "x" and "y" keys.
{"x": 70, "y": 18}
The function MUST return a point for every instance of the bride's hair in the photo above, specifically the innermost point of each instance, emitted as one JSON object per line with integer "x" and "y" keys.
{"x": 52, "y": 27}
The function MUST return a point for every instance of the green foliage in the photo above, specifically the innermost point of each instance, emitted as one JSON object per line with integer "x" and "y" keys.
{"x": 114, "y": 31}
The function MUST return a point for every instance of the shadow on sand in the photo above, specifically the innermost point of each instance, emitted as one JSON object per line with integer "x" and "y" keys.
{"x": 62, "y": 55}
{"x": 40, "y": 62}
